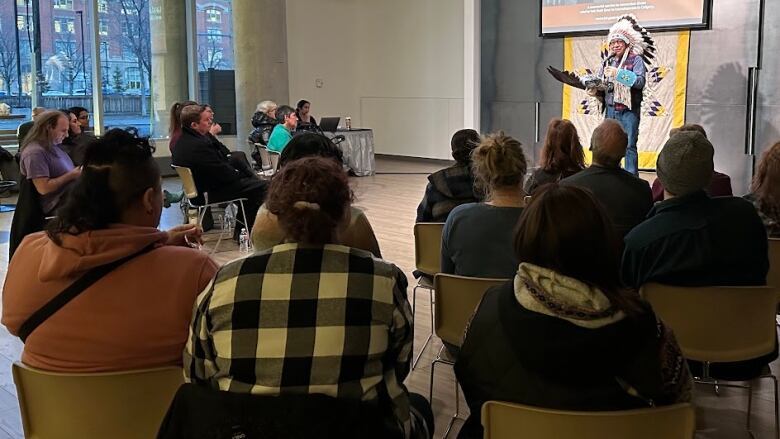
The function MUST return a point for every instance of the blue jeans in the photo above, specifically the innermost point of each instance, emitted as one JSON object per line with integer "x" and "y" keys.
{"x": 630, "y": 122}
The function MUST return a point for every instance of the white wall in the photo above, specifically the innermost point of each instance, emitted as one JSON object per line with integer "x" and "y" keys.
{"x": 394, "y": 66}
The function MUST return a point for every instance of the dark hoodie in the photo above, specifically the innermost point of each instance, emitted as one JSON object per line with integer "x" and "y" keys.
{"x": 559, "y": 344}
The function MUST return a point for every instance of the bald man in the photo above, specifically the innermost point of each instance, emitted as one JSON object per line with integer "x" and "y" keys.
{"x": 626, "y": 198}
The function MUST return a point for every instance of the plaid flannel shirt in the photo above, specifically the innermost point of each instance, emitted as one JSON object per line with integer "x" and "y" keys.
{"x": 447, "y": 189}
{"x": 298, "y": 319}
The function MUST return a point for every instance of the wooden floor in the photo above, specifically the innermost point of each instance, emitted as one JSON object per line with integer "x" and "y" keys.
{"x": 390, "y": 200}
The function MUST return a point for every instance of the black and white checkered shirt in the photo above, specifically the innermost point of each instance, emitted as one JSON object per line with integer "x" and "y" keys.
{"x": 296, "y": 319}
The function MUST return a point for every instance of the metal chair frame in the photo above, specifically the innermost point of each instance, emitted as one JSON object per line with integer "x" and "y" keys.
{"x": 707, "y": 378}
{"x": 443, "y": 355}
{"x": 191, "y": 192}
{"x": 424, "y": 282}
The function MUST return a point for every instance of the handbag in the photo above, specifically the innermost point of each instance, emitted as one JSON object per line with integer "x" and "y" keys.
{"x": 72, "y": 291}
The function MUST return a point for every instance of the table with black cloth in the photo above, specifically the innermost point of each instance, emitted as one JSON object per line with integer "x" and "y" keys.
{"x": 358, "y": 150}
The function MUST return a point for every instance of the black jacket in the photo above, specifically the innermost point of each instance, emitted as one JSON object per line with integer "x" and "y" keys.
{"x": 626, "y": 198}
{"x": 263, "y": 126}
{"x": 28, "y": 216}
{"x": 695, "y": 240}
{"x": 516, "y": 355}
{"x": 211, "y": 169}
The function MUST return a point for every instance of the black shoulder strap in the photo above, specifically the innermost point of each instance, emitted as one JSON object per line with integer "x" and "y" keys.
{"x": 70, "y": 293}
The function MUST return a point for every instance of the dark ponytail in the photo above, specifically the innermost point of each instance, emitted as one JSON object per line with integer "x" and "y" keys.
{"x": 118, "y": 169}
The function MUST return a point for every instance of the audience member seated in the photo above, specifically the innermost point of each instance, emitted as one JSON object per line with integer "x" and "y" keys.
{"x": 453, "y": 186}
{"x": 477, "y": 237}
{"x": 765, "y": 191}
{"x": 282, "y": 132}
{"x": 23, "y": 129}
{"x": 237, "y": 159}
{"x": 174, "y": 130}
{"x": 137, "y": 315}
{"x": 564, "y": 334}
{"x": 263, "y": 122}
{"x": 211, "y": 168}
{"x": 77, "y": 140}
{"x": 45, "y": 163}
{"x": 719, "y": 185}
{"x": 561, "y": 155}
{"x": 690, "y": 239}
{"x": 306, "y": 121}
{"x": 82, "y": 115}
{"x": 358, "y": 233}
{"x": 625, "y": 198}
{"x": 355, "y": 304}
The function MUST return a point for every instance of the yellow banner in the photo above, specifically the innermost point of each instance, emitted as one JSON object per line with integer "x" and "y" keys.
{"x": 663, "y": 106}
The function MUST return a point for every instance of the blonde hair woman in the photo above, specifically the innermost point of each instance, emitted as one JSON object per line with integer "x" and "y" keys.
{"x": 477, "y": 239}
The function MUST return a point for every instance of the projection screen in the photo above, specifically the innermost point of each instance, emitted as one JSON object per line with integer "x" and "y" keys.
{"x": 567, "y": 17}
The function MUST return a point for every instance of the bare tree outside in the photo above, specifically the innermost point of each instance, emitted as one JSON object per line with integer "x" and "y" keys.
{"x": 7, "y": 60}
{"x": 75, "y": 61}
{"x": 210, "y": 54}
{"x": 135, "y": 19}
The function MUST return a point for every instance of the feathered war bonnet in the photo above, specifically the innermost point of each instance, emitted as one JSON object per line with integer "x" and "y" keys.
{"x": 638, "y": 39}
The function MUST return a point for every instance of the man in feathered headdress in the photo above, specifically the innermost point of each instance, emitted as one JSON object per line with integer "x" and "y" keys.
{"x": 623, "y": 72}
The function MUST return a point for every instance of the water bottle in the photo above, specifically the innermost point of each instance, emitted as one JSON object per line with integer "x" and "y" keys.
{"x": 243, "y": 241}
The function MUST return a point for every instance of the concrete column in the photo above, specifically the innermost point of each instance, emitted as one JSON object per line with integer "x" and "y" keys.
{"x": 169, "y": 59}
{"x": 260, "y": 50}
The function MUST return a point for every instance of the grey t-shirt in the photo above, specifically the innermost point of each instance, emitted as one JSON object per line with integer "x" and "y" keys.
{"x": 478, "y": 241}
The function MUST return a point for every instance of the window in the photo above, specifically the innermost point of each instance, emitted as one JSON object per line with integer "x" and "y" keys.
{"x": 214, "y": 35}
{"x": 62, "y": 4}
{"x": 104, "y": 50}
{"x": 103, "y": 27}
{"x": 133, "y": 78}
{"x": 23, "y": 22}
{"x": 213, "y": 15}
{"x": 64, "y": 25}
{"x": 129, "y": 7}
{"x": 103, "y": 6}
{"x": 65, "y": 47}
{"x": 128, "y": 28}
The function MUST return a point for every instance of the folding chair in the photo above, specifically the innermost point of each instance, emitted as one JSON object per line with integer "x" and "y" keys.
{"x": 503, "y": 420}
{"x": 119, "y": 405}
{"x": 191, "y": 192}
{"x": 427, "y": 258}
{"x": 457, "y": 297}
{"x": 720, "y": 325}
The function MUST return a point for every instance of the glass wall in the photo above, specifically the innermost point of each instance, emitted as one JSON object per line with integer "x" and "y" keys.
{"x": 64, "y": 73}
{"x": 15, "y": 62}
{"x": 126, "y": 63}
{"x": 215, "y": 34}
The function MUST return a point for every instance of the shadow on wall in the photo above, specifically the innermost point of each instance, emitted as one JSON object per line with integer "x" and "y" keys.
{"x": 766, "y": 131}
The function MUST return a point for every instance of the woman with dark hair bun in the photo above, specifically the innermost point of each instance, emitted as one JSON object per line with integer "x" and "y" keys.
{"x": 450, "y": 187}
{"x": 564, "y": 333}
{"x": 311, "y": 284}
{"x": 562, "y": 155}
{"x": 137, "y": 315}
{"x": 357, "y": 233}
